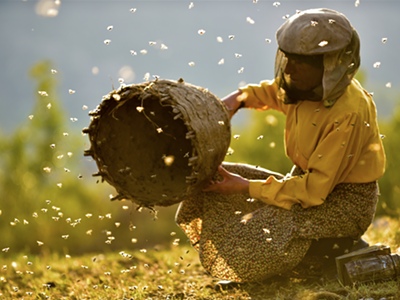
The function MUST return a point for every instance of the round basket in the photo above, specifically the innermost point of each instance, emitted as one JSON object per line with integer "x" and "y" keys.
{"x": 158, "y": 142}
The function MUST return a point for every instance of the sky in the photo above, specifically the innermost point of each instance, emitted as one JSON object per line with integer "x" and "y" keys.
{"x": 188, "y": 39}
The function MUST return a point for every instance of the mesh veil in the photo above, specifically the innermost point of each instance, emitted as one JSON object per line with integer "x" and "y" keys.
{"x": 302, "y": 34}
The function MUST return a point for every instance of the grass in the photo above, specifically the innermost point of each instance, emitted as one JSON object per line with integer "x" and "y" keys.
{"x": 173, "y": 273}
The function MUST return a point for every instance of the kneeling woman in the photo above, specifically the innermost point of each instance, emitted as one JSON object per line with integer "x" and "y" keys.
{"x": 251, "y": 224}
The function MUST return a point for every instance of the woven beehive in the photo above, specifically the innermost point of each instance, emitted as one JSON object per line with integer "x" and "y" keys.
{"x": 158, "y": 142}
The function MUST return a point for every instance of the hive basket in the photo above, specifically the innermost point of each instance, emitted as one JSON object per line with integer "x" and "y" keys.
{"x": 158, "y": 142}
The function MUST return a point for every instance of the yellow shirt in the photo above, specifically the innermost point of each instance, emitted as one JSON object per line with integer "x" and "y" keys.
{"x": 332, "y": 145}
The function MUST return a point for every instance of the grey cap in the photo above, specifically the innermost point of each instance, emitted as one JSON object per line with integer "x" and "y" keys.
{"x": 315, "y": 31}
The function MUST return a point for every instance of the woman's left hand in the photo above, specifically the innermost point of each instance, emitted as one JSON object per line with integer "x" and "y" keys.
{"x": 231, "y": 184}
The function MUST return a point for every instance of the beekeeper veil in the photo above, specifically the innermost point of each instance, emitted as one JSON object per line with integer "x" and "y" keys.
{"x": 320, "y": 37}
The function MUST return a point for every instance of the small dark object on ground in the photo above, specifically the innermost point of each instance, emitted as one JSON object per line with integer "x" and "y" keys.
{"x": 372, "y": 264}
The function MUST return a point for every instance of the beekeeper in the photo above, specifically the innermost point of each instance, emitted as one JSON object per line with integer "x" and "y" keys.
{"x": 251, "y": 224}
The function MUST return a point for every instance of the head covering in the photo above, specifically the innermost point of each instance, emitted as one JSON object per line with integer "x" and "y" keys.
{"x": 324, "y": 32}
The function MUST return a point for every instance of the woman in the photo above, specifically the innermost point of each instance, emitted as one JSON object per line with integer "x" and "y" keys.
{"x": 252, "y": 224}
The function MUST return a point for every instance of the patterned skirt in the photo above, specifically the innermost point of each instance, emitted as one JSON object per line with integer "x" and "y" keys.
{"x": 242, "y": 239}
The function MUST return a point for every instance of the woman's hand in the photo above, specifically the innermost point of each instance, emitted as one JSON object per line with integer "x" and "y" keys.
{"x": 233, "y": 102}
{"x": 231, "y": 184}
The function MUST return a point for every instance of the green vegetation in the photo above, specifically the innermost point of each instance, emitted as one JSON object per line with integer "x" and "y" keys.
{"x": 47, "y": 193}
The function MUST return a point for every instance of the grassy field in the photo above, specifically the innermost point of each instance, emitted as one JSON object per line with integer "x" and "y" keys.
{"x": 173, "y": 273}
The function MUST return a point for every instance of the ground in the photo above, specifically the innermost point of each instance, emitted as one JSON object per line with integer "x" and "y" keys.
{"x": 173, "y": 273}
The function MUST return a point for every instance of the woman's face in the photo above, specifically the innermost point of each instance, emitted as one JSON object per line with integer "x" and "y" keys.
{"x": 303, "y": 76}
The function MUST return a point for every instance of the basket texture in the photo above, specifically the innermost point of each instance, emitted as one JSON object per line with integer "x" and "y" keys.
{"x": 158, "y": 142}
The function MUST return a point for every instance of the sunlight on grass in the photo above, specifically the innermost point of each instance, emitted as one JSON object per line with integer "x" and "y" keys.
{"x": 111, "y": 276}
{"x": 385, "y": 230}
{"x": 174, "y": 273}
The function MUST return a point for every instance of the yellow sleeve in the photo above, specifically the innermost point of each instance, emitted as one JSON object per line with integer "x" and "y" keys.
{"x": 262, "y": 96}
{"x": 332, "y": 160}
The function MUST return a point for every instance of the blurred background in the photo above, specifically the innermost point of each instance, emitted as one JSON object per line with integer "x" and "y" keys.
{"x": 58, "y": 58}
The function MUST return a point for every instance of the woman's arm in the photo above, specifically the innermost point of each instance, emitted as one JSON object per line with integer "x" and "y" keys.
{"x": 233, "y": 102}
{"x": 231, "y": 184}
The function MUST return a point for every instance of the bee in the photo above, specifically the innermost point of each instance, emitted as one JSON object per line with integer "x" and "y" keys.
{"x": 250, "y": 20}
{"x": 323, "y": 43}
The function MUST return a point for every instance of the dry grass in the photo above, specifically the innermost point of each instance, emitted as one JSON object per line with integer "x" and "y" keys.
{"x": 167, "y": 274}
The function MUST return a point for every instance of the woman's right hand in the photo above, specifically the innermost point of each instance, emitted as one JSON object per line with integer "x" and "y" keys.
{"x": 231, "y": 184}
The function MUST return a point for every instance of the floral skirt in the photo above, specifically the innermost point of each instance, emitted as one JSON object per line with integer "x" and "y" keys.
{"x": 242, "y": 239}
